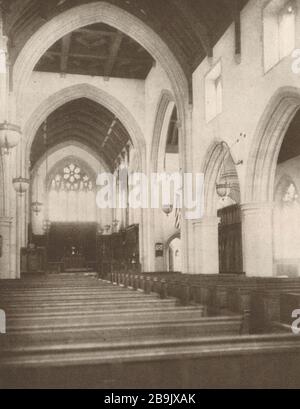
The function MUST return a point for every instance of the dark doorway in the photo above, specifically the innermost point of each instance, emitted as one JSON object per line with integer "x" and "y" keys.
{"x": 230, "y": 240}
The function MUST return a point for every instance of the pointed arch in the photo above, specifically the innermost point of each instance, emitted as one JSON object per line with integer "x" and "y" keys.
{"x": 266, "y": 145}
{"x": 95, "y": 94}
{"x": 92, "y": 13}
{"x": 160, "y": 132}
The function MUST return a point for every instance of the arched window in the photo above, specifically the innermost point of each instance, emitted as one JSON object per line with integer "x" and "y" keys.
{"x": 71, "y": 195}
{"x": 290, "y": 194}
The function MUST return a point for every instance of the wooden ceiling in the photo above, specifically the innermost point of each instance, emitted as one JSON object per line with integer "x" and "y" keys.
{"x": 84, "y": 121}
{"x": 97, "y": 50}
{"x": 189, "y": 27}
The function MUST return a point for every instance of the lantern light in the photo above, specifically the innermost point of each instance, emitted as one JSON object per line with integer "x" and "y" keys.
{"x": 36, "y": 207}
{"x": 167, "y": 209}
{"x": 9, "y": 136}
{"x": 21, "y": 185}
{"x": 223, "y": 189}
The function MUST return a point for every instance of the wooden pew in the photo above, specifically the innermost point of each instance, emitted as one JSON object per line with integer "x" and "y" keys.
{"x": 269, "y": 361}
{"x": 222, "y": 294}
{"x": 24, "y": 339}
{"x": 31, "y": 321}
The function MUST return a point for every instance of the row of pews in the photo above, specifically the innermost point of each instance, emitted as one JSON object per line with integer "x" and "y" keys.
{"x": 265, "y": 303}
{"x": 141, "y": 331}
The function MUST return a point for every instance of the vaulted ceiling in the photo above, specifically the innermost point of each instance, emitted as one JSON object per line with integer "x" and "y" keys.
{"x": 84, "y": 121}
{"x": 189, "y": 27}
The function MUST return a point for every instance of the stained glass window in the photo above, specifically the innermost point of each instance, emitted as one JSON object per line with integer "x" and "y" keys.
{"x": 72, "y": 195}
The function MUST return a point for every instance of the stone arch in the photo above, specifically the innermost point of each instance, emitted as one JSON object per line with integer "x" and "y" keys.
{"x": 88, "y": 91}
{"x": 171, "y": 238}
{"x": 91, "y": 13}
{"x": 91, "y": 92}
{"x": 167, "y": 248}
{"x": 163, "y": 115}
{"x": 267, "y": 141}
{"x": 102, "y": 12}
{"x": 217, "y": 154}
{"x": 160, "y": 133}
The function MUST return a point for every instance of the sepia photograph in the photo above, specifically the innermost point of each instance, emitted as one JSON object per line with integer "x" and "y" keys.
{"x": 149, "y": 197}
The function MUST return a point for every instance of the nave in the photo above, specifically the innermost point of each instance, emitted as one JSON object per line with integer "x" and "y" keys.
{"x": 76, "y": 331}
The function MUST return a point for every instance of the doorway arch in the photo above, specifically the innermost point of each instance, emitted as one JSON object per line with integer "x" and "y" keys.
{"x": 174, "y": 253}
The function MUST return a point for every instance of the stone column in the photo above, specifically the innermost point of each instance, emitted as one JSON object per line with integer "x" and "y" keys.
{"x": 257, "y": 234}
{"x": 20, "y": 229}
{"x": 5, "y": 231}
{"x": 206, "y": 245}
{"x": 186, "y": 164}
{"x": 4, "y": 76}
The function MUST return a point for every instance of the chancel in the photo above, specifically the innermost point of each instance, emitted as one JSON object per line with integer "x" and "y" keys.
{"x": 139, "y": 296}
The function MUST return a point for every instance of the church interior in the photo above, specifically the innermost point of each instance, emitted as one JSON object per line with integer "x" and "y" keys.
{"x": 140, "y": 297}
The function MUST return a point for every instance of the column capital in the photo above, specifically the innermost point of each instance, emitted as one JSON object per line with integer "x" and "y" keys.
{"x": 207, "y": 221}
{"x": 257, "y": 207}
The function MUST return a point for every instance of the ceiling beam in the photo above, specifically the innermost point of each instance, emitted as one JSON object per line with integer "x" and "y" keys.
{"x": 199, "y": 28}
{"x": 86, "y": 30}
{"x": 99, "y": 57}
{"x": 113, "y": 54}
{"x": 65, "y": 49}
{"x": 234, "y": 7}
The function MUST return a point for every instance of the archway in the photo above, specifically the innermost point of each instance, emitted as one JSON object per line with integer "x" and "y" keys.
{"x": 165, "y": 158}
{"x": 267, "y": 141}
{"x": 102, "y": 12}
{"x": 66, "y": 96}
{"x": 261, "y": 182}
{"x": 174, "y": 253}
{"x": 222, "y": 208}
{"x": 286, "y": 213}
{"x": 99, "y": 12}
{"x": 93, "y": 93}
{"x": 156, "y": 164}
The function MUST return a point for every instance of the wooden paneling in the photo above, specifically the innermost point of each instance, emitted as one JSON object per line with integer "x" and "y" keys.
{"x": 230, "y": 240}
{"x": 64, "y": 236}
